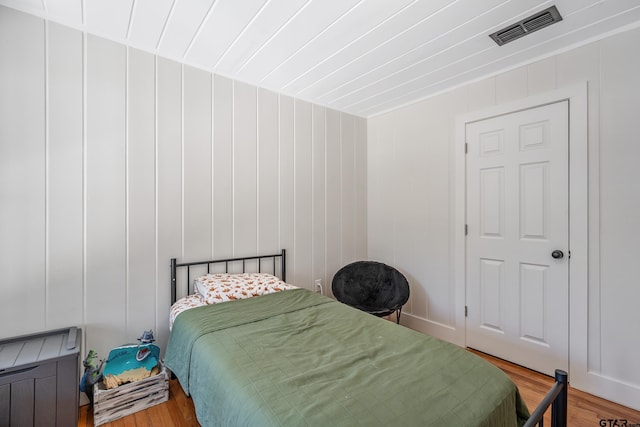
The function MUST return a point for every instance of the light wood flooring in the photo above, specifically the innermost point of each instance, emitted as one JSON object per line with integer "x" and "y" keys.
{"x": 584, "y": 409}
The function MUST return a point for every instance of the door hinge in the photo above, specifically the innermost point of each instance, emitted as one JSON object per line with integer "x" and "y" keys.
{"x": 466, "y": 148}
{"x": 466, "y": 311}
{"x": 466, "y": 229}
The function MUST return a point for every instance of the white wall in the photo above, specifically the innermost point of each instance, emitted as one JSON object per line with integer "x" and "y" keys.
{"x": 411, "y": 184}
{"x": 113, "y": 161}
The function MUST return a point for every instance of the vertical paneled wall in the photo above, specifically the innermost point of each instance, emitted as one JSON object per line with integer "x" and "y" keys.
{"x": 23, "y": 171}
{"x": 113, "y": 161}
{"x": 141, "y": 196}
{"x": 105, "y": 192}
{"x": 64, "y": 138}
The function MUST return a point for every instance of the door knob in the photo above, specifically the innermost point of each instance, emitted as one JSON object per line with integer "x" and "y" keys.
{"x": 557, "y": 254}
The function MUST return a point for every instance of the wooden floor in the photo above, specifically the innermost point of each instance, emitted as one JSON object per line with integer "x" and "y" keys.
{"x": 584, "y": 409}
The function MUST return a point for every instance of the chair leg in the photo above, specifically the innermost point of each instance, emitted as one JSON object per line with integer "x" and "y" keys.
{"x": 398, "y": 313}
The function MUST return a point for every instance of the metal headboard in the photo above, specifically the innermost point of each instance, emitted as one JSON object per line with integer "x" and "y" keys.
{"x": 226, "y": 262}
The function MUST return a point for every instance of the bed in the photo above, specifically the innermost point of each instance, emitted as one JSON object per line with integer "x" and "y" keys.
{"x": 293, "y": 357}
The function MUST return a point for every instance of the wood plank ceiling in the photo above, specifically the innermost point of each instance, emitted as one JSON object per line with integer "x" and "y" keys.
{"x": 359, "y": 56}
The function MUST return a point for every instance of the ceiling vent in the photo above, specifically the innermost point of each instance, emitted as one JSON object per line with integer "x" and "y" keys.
{"x": 527, "y": 25}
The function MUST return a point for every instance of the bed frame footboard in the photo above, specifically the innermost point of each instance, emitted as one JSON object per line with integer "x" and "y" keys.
{"x": 557, "y": 398}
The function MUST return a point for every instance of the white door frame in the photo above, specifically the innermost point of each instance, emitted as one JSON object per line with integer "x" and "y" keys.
{"x": 578, "y": 216}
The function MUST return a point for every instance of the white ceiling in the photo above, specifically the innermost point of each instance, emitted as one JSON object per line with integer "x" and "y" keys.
{"x": 358, "y": 56}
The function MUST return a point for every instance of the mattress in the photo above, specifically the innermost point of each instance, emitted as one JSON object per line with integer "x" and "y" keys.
{"x": 298, "y": 358}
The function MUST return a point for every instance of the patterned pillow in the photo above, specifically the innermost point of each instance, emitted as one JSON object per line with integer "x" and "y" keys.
{"x": 183, "y": 304}
{"x": 215, "y": 288}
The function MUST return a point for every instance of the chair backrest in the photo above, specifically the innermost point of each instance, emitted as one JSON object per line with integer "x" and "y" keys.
{"x": 370, "y": 286}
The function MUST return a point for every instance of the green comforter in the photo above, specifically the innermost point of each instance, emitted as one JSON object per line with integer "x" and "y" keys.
{"x": 295, "y": 358}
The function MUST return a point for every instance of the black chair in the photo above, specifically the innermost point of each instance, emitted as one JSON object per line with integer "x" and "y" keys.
{"x": 373, "y": 287}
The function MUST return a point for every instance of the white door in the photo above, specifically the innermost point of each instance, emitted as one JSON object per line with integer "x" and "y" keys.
{"x": 517, "y": 241}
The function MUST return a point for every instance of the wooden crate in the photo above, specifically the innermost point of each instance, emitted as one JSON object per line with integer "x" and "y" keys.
{"x": 115, "y": 403}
